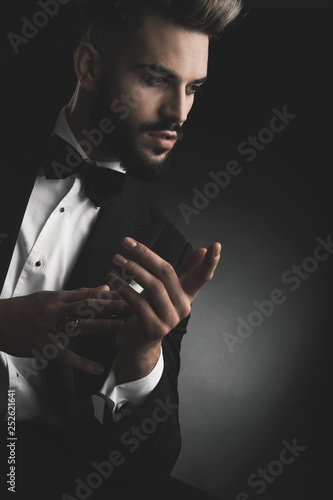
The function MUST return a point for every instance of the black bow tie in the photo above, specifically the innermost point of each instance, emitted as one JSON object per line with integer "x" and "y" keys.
{"x": 62, "y": 160}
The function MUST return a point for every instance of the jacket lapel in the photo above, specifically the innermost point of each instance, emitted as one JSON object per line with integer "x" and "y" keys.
{"x": 126, "y": 215}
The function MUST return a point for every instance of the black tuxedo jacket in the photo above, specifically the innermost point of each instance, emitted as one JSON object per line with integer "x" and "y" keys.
{"x": 149, "y": 440}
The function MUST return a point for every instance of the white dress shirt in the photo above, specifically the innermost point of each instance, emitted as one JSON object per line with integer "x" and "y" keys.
{"x": 59, "y": 214}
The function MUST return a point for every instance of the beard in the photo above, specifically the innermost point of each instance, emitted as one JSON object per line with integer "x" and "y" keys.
{"x": 123, "y": 140}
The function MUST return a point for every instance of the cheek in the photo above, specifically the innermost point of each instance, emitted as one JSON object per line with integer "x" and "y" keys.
{"x": 138, "y": 95}
{"x": 145, "y": 106}
{"x": 190, "y": 104}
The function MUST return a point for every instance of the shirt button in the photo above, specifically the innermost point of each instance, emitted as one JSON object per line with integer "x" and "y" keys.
{"x": 121, "y": 407}
{"x": 38, "y": 264}
{"x": 62, "y": 210}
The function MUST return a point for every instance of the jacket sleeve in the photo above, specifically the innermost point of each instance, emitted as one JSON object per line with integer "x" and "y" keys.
{"x": 142, "y": 448}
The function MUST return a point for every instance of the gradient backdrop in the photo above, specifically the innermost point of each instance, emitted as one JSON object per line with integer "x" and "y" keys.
{"x": 246, "y": 395}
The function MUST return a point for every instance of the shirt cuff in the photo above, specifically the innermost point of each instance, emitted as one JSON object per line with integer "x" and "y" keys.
{"x": 125, "y": 399}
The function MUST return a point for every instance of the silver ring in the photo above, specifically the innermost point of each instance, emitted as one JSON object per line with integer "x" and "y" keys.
{"x": 67, "y": 326}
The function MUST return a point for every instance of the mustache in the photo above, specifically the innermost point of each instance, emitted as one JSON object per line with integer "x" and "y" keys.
{"x": 163, "y": 127}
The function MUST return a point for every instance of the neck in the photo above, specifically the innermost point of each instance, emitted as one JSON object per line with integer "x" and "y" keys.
{"x": 79, "y": 120}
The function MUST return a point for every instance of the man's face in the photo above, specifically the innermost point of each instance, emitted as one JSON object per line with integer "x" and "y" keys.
{"x": 150, "y": 93}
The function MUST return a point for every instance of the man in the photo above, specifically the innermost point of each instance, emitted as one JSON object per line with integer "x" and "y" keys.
{"x": 97, "y": 284}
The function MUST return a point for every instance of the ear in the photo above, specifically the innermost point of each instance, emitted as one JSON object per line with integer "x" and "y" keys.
{"x": 88, "y": 66}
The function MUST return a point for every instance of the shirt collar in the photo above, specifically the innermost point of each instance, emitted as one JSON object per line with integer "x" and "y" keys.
{"x": 62, "y": 129}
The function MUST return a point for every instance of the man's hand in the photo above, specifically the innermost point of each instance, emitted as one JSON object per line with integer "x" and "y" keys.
{"x": 26, "y": 322}
{"x": 164, "y": 303}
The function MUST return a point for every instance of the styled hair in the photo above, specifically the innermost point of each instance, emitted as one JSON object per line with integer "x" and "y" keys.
{"x": 102, "y": 21}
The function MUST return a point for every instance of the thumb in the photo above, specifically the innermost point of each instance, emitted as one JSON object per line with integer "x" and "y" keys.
{"x": 191, "y": 262}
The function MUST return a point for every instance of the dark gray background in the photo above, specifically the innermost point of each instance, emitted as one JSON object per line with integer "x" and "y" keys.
{"x": 237, "y": 408}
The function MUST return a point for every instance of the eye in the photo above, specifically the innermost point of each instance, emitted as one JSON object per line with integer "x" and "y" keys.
{"x": 155, "y": 81}
{"x": 194, "y": 89}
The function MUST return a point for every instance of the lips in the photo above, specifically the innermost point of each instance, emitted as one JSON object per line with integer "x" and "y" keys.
{"x": 164, "y": 139}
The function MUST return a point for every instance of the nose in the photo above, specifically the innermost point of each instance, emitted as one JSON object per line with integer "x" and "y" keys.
{"x": 176, "y": 106}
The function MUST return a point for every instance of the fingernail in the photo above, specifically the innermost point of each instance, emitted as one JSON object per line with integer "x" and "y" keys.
{"x": 98, "y": 370}
{"x": 129, "y": 243}
{"x": 119, "y": 260}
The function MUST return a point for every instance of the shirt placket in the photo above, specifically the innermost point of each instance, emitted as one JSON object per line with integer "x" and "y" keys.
{"x": 40, "y": 255}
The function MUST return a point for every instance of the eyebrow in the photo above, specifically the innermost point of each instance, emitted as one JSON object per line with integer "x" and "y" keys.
{"x": 157, "y": 68}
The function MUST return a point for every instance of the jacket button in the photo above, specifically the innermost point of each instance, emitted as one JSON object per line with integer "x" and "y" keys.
{"x": 121, "y": 407}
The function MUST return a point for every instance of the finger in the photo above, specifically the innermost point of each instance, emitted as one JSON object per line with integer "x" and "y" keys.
{"x": 192, "y": 262}
{"x": 157, "y": 266}
{"x": 99, "y": 326}
{"x": 101, "y": 287}
{"x": 154, "y": 289}
{"x": 101, "y": 293}
{"x": 140, "y": 306}
{"x": 202, "y": 274}
{"x": 69, "y": 358}
{"x": 70, "y": 296}
{"x": 88, "y": 327}
{"x": 92, "y": 308}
